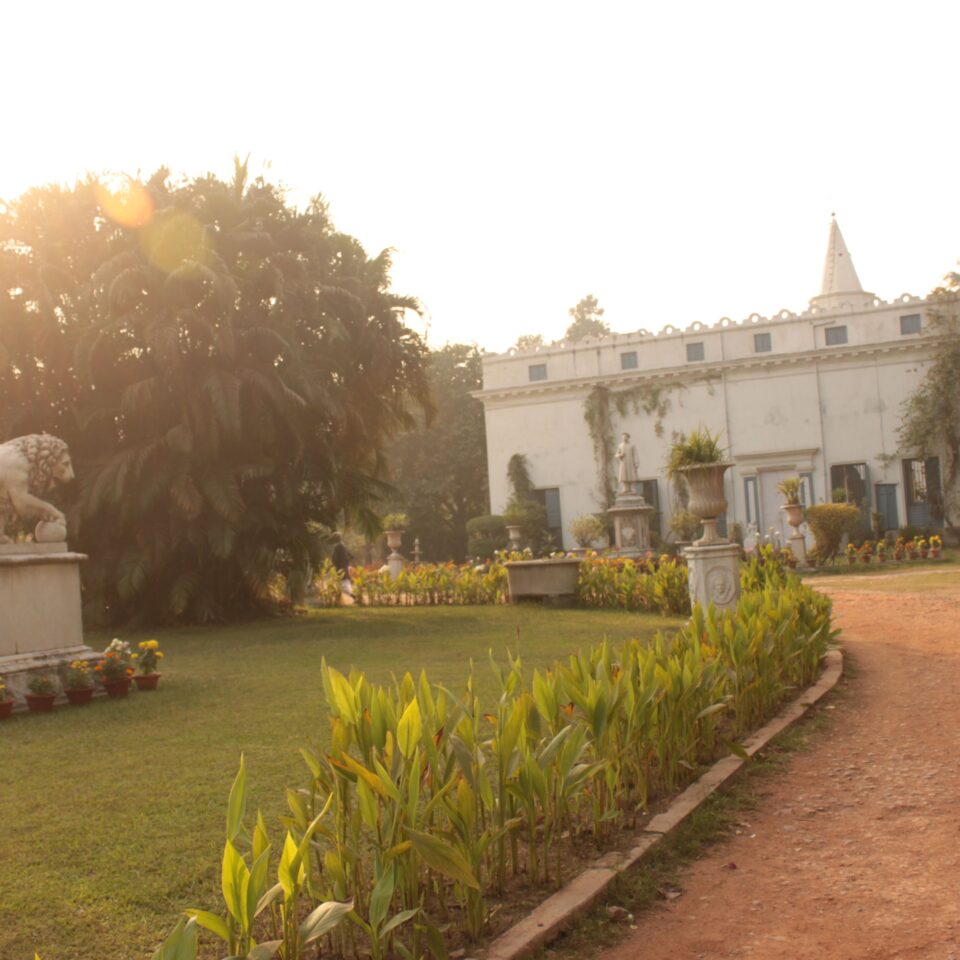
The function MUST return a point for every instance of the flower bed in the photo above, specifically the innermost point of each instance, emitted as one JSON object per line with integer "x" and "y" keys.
{"x": 424, "y": 809}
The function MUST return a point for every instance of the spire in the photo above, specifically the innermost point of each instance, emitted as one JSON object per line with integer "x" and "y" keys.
{"x": 840, "y": 285}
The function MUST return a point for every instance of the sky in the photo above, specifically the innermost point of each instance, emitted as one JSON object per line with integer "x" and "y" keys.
{"x": 680, "y": 161}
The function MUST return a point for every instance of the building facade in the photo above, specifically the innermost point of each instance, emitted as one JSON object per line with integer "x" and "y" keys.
{"x": 817, "y": 394}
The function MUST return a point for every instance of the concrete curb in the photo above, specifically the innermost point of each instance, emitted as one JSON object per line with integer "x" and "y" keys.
{"x": 557, "y": 912}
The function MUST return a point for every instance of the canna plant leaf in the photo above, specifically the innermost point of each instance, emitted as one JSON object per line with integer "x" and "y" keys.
{"x": 442, "y": 857}
{"x": 237, "y": 804}
{"x": 322, "y": 919}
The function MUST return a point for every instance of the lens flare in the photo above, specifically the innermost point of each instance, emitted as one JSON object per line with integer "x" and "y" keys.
{"x": 173, "y": 239}
{"x": 125, "y": 201}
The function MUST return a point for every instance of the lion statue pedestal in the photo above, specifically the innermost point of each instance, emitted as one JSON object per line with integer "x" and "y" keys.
{"x": 40, "y": 624}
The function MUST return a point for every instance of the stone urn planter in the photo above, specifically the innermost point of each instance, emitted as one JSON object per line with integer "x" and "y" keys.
{"x": 552, "y": 581}
{"x": 146, "y": 681}
{"x": 707, "y": 498}
{"x": 794, "y": 513}
{"x": 394, "y": 538}
{"x": 513, "y": 535}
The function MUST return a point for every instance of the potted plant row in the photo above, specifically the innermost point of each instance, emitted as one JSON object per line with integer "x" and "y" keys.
{"x": 115, "y": 671}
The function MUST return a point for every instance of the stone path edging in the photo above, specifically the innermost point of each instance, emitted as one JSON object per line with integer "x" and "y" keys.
{"x": 556, "y": 913}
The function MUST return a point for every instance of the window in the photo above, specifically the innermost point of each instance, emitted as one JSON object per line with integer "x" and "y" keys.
{"x": 761, "y": 343}
{"x": 909, "y": 324}
{"x": 835, "y": 336}
{"x": 848, "y": 482}
{"x": 538, "y": 371}
{"x": 751, "y": 496}
{"x": 921, "y": 487}
{"x": 694, "y": 352}
{"x": 806, "y": 489}
{"x": 887, "y": 505}
{"x": 628, "y": 361}
{"x": 550, "y": 498}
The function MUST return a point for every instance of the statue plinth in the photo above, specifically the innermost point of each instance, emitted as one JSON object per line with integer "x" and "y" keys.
{"x": 631, "y": 524}
{"x": 40, "y": 622}
{"x": 714, "y": 574}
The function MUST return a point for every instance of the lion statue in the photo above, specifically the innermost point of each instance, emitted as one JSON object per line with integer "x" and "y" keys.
{"x": 30, "y": 466}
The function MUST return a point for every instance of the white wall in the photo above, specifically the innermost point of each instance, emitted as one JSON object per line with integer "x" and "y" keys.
{"x": 802, "y": 406}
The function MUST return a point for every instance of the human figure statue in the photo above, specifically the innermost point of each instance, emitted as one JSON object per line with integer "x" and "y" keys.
{"x": 629, "y": 464}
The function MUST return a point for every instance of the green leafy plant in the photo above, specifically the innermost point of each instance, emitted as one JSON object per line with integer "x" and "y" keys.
{"x": 115, "y": 664}
{"x": 149, "y": 657}
{"x": 396, "y": 521}
{"x": 790, "y": 488}
{"x": 41, "y": 685}
{"x": 684, "y": 524}
{"x": 829, "y": 522}
{"x": 587, "y": 529}
{"x": 78, "y": 676}
{"x": 694, "y": 449}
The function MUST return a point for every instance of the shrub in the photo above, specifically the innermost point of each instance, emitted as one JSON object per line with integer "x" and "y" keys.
{"x": 486, "y": 535}
{"x": 588, "y": 528}
{"x": 829, "y": 522}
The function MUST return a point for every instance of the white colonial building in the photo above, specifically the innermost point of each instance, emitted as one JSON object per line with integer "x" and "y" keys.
{"x": 817, "y": 394}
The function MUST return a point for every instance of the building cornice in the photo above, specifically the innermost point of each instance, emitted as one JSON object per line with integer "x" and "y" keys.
{"x": 816, "y": 315}
{"x": 920, "y": 347}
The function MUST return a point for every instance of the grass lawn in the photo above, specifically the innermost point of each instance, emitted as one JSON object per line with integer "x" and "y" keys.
{"x": 113, "y": 815}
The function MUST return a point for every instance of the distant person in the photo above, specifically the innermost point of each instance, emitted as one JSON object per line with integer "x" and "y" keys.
{"x": 340, "y": 558}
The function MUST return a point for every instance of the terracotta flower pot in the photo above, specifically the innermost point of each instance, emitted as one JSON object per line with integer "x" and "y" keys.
{"x": 40, "y": 702}
{"x": 146, "y": 681}
{"x": 851, "y": 560}
{"x": 79, "y": 696}
{"x": 923, "y": 554}
{"x": 6, "y": 708}
{"x": 865, "y": 559}
{"x": 117, "y": 688}
{"x": 935, "y": 553}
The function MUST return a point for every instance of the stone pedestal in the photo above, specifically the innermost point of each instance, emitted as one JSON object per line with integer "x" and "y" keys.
{"x": 394, "y": 560}
{"x": 631, "y": 524}
{"x": 40, "y": 625}
{"x": 714, "y": 574}
{"x": 798, "y": 547}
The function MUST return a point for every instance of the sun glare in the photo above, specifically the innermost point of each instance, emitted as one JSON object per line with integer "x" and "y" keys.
{"x": 125, "y": 201}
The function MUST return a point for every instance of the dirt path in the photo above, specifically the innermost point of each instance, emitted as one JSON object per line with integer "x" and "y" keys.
{"x": 854, "y": 852}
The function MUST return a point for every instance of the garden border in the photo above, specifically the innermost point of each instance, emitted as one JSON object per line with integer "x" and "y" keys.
{"x": 556, "y": 913}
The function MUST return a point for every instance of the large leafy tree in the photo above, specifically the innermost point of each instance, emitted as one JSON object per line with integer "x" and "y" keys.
{"x": 439, "y": 469}
{"x": 931, "y": 415}
{"x": 587, "y": 320}
{"x": 226, "y": 369}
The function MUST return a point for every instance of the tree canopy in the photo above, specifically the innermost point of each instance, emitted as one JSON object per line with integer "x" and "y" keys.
{"x": 440, "y": 468}
{"x": 587, "y": 320}
{"x": 226, "y": 369}
{"x": 931, "y": 415}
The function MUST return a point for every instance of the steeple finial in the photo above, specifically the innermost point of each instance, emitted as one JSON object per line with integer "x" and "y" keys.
{"x": 840, "y": 285}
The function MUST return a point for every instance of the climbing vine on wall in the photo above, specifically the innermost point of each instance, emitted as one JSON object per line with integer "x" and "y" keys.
{"x": 653, "y": 399}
